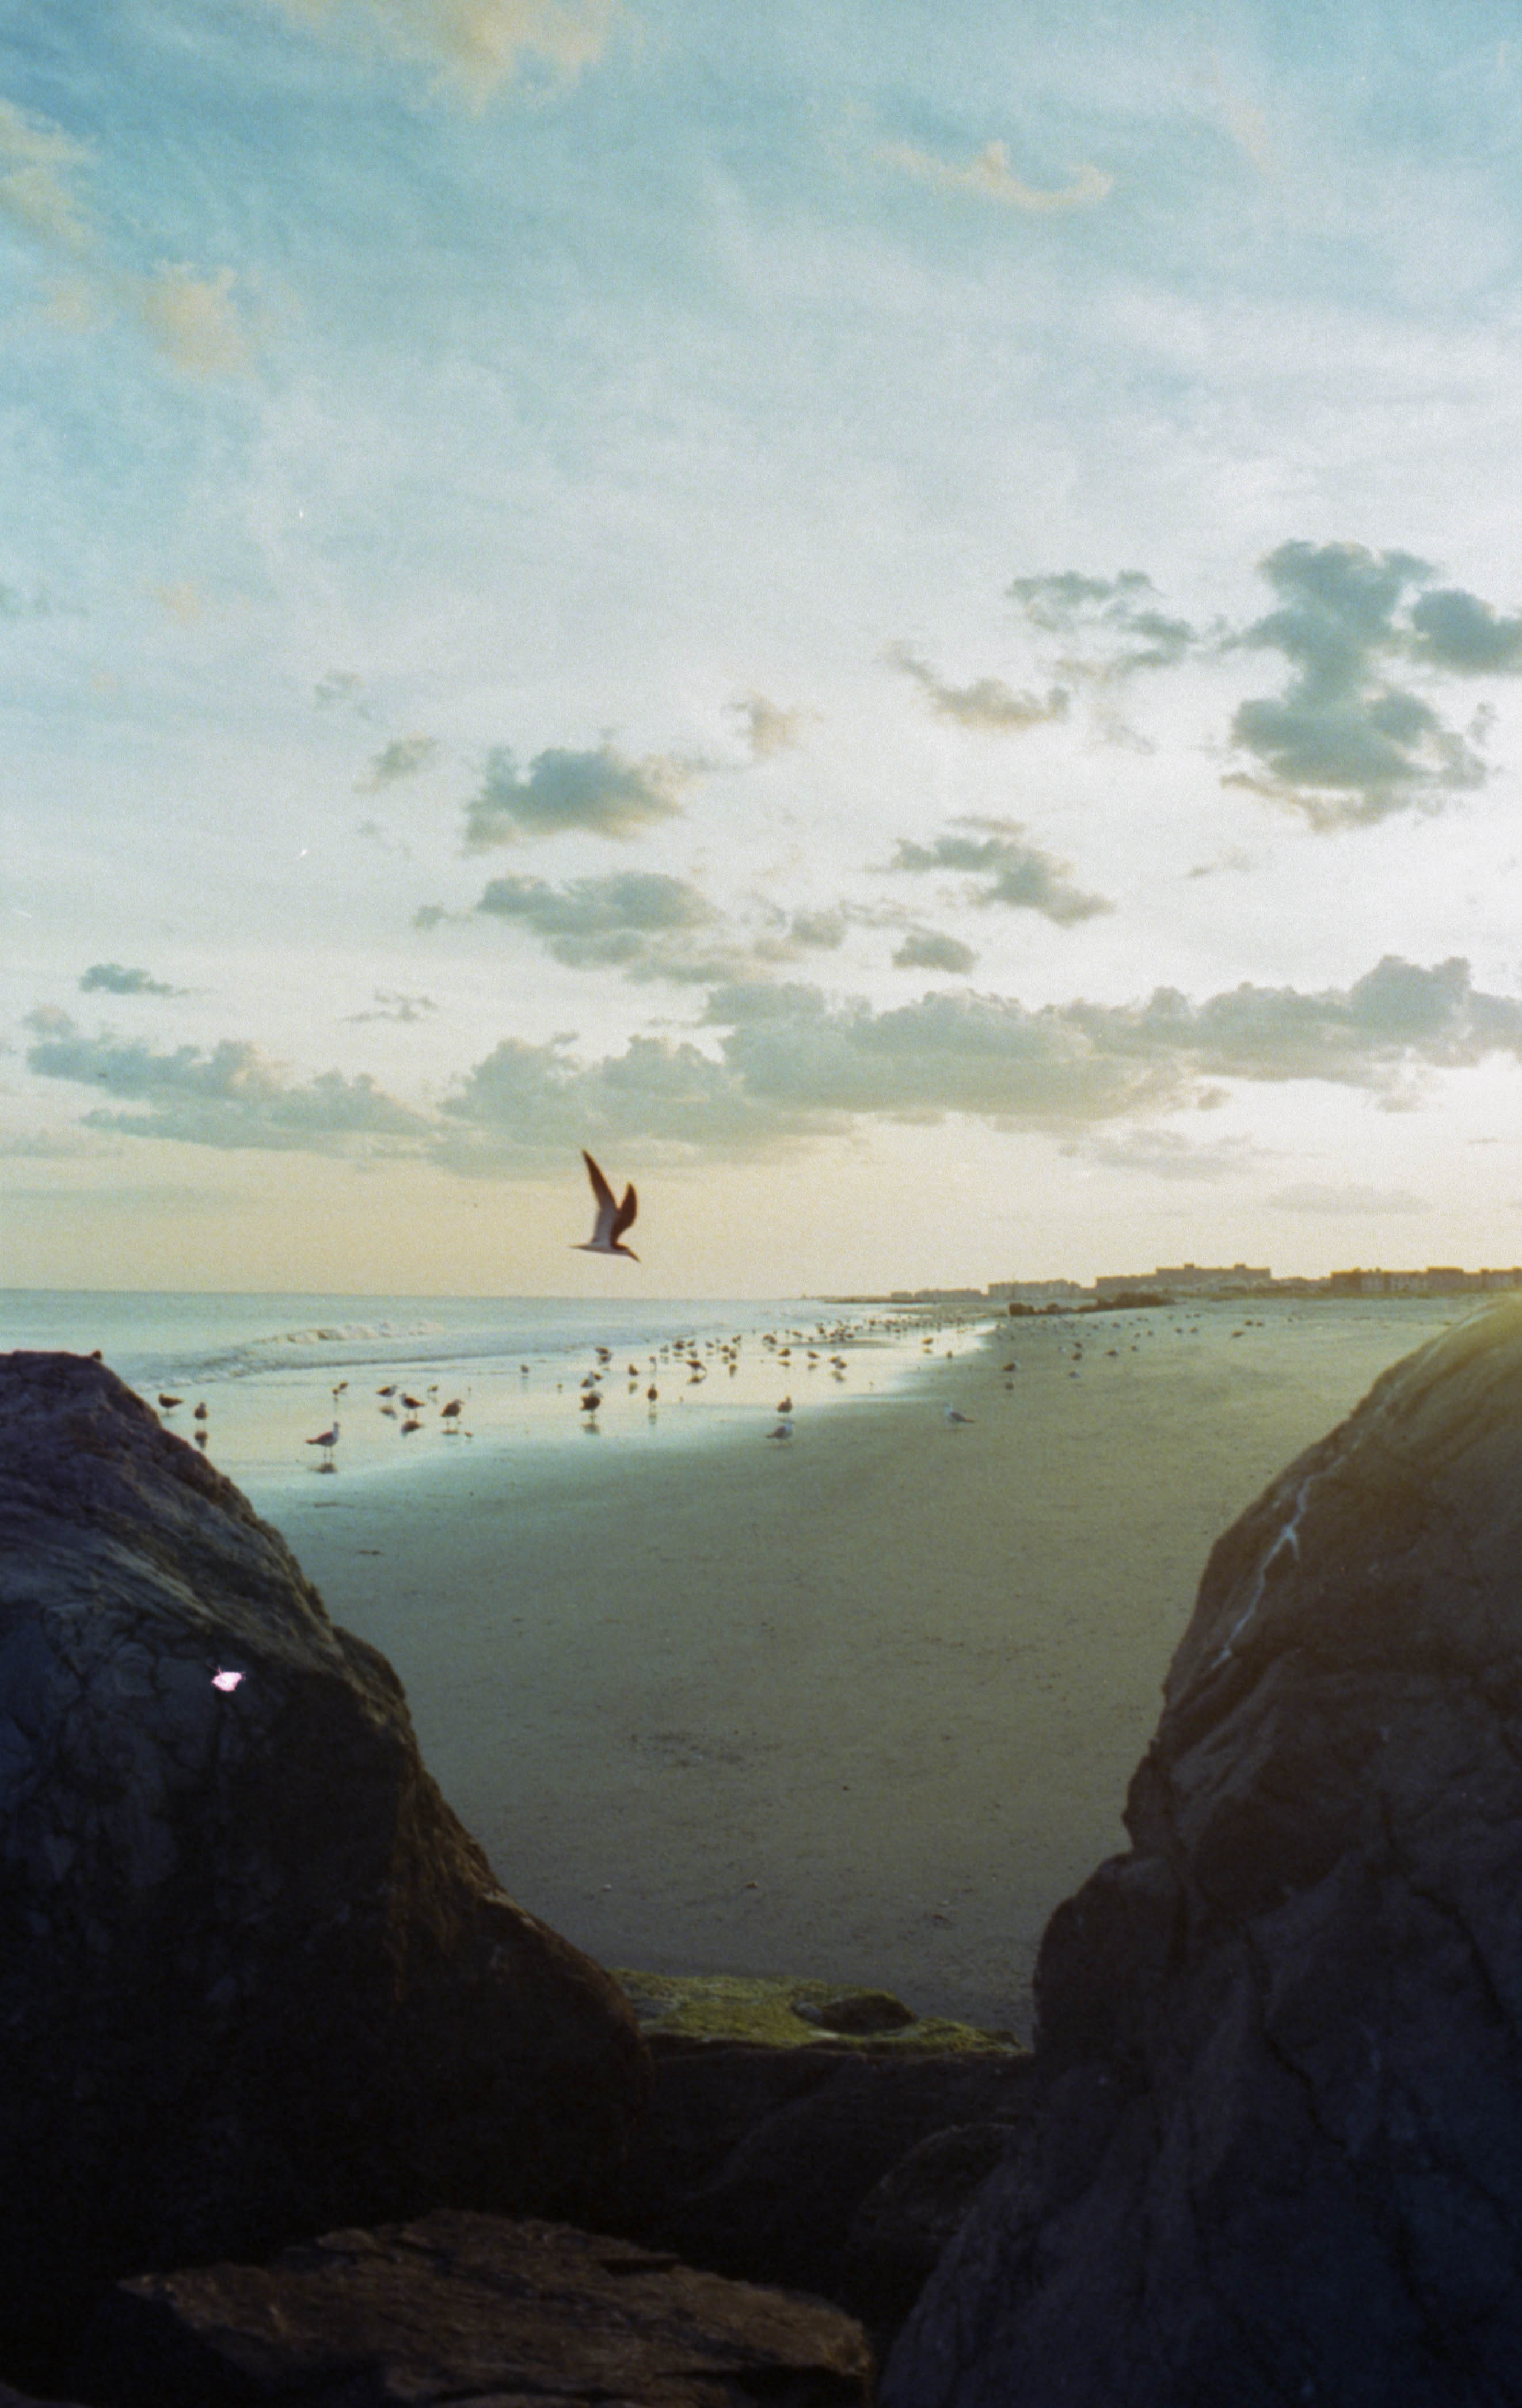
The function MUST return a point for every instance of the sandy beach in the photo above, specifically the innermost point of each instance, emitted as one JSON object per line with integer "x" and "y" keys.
{"x": 862, "y": 1704}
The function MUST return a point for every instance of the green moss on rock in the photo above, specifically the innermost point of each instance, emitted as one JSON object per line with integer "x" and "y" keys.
{"x": 779, "y": 2011}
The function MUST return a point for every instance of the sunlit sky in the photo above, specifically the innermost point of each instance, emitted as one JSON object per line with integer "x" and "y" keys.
{"x": 903, "y": 620}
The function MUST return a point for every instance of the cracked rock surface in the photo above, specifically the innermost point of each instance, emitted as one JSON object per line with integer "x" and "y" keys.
{"x": 470, "y": 2309}
{"x": 1276, "y": 2153}
{"x": 255, "y": 1978}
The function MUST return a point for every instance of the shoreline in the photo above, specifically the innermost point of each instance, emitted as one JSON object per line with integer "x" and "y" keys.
{"x": 862, "y": 1706}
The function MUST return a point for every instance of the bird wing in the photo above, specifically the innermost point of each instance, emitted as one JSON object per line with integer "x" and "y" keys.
{"x": 606, "y": 1208}
{"x": 623, "y": 1218}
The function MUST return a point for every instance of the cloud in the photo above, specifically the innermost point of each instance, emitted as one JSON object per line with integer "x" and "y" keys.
{"x": 193, "y": 321}
{"x": 601, "y": 791}
{"x": 1454, "y": 630}
{"x": 1163, "y": 1154}
{"x": 38, "y": 164}
{"x": 803, "y": 932}
{"x": 1344, "y": 743}
{"x": 989, "y": 704}
{"x": 1310, "y": 1196}
{"x": 1080, "y": 1063}
{"x": 768, "y": 728}
{"x": 928, "y": 948}
{"x": 640, "y": 922}
{"x": 1017, "y": 874}
{"x": 989, "y": 176}
{"x": 402, "y": 758}
{"x": 1349, "y": 740}
{"x": 526, "y": 1103}
{"x": 109, "y": 978}
{"x": 478, "y": 45}
{"x": 1235, "y": 859}
{"x": 60, "y": 1146}
{"x": 229, "y": 1096}
{"x": 651, "y": 926}
{"x": 784, "y": 1062}
{"x": 396, "y": 1007}
{"x": 1055, "y": 600}
{"x": 1068, "y": 603}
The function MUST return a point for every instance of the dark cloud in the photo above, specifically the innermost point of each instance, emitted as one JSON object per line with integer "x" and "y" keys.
{"x": 1345, "y": 742}
{"x": 231, "y": 1095}
{"x": 1454, "y": 630}
{"x": 109, "y": 978}
{"x": 1165, "y": 641}
{"x": 989, "y": 704}
{"x": 790, "y": 935}
{"x": 642, "y": 922}
{"x": 1014, "y": 873}
{"x": 1056, "y": 601}
{"x": 599, "y": 790}
{"x": 402, "y": 758}
{"x": 396, "y": 1007}
{"x": 652, "y": 926}
{"x": 928, "y": 948}
{"x": 1113, "y": 607}
{"x": 1349, "y": 739}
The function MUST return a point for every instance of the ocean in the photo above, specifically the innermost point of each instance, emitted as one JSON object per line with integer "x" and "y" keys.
{"x": 273, "y": 1373}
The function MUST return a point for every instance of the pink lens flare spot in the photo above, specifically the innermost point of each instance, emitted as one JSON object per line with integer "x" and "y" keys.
{"x": 226, "y": 1679}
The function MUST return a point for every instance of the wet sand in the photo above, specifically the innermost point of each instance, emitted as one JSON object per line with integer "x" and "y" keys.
{"x": 862, "y": 1704}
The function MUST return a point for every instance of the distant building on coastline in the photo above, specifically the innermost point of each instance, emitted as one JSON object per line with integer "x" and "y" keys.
{"x": 1189, "y": 1279}
{"x": 1204, "y": 1280}
{"x": 1439, "y": 1279}
{"x": 1056, "y": 1291}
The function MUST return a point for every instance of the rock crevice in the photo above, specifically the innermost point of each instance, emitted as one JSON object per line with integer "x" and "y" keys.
{"x": 1276, "y": 2148}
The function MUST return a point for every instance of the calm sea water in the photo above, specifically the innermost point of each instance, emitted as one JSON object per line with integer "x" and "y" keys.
{"x": 273, "y": 1372}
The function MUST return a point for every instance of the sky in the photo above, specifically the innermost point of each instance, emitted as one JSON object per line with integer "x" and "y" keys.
{"x": 905, "y": 621}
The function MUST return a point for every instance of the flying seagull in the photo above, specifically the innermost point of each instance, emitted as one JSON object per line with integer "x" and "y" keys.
{"x": 612, "y": 1219}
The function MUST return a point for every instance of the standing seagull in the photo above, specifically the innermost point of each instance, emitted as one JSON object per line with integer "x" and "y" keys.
{"x": 612, "y": 1219}
{"x": 327, "y": 1440}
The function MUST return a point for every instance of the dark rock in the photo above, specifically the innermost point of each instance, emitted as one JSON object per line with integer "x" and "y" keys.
{"x": 754, "y": 2162}
{"x": 856, "y": 2011}
{"x": 1276, "y": 2154}
{"x": 255, "y": 1979}
{"x": 469, "y": 2309}
{"x": 907, "y": 2220}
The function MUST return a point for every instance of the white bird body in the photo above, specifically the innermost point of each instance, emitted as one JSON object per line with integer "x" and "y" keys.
{"x": 612, "y": 1217}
